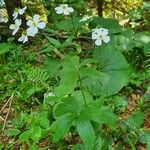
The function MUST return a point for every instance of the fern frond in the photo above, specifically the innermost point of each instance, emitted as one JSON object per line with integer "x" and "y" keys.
{"x": 6, "y": 47}
{"x": 37, "y": 75}
{"x": 147, "y": 61}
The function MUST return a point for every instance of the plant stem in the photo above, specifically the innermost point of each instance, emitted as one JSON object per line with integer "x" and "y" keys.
{"x": 80, "y": 83}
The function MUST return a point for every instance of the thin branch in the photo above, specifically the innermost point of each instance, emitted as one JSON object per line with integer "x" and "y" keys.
{"x": 9, "y": 109}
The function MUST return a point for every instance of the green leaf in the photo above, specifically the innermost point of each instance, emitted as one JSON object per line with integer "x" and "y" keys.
{"x": 63, "y": 90}
{"x": 25, "y": 136}
{"x": 137, "y": 119}
{"x": 68, "y": 105}
{"x": 107, "y": 116}
{"x": 87, "y": 62}
{"x": 61, "y": 126}
{"x": 113, "y": 64}
{"x": 36, "y": 133}
{"x": 12, "y": 132}
{"x": 68, "y": 41}
{"x": 78, "y": 94}
{"x": 78, "y": 147}
{"x": 51, "y": 65}
{"x": 54, "y": 42}
{"x": 94, "y": 81}
{"x": 86, "y": 132}
{"x": 68, "y": 76}
{"x": 70, "y": 24}
{"x": 111, "y": 24}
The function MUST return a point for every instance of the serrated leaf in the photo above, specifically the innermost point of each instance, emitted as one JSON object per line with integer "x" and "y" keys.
{"x": 61, "y": 126}
{"x": 70, "y": 24}
{"x": 78, "y": 94}
{"x": 12, "y": 132}
{"x": 107, "y": 116}
{"x": 137, "y": 118}
{"x": 68, "y": 105}
{"x": 86, "y": 132}
{"x": 36, "y": 133}
{"x": 68, "y": 76}
{"x": 113, "y": 64}
{"x": 25, "y": 135}
{"x": 94, "y": 81}
{"x": 111, "y": 24}
{"x": 54, "y": 42}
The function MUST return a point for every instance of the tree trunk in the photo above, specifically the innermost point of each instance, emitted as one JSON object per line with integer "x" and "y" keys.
{"x": 100, "y": 8}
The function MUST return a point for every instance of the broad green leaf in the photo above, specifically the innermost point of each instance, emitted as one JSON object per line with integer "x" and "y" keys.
{"x": 111, "y": 24}
{"x": 86, "y": 132}
{"x": 82, "y": 96}
{"x": 68, "y": 76}
{"x": 137, "y": 118}
{"x": 113, "y": 64}
{"x": 63, "y": 90}
{"x": 94, "y": 81}
{"x": 107, "y": 116}
{"x": 12, "y": 132}
{"x": 68, "y": 105}
{"x": 87, "y": 61}
{"x": 36, "y": 133}
{"x": 71, "y": 24}
{"x": 78, "y": 147}
{"x": 147, "y": 139}
{"x": 51, "y": 65}
{"x": 70, "y": 63}
{"x": 25, "y": 136}
{"x": 61, "y": 126}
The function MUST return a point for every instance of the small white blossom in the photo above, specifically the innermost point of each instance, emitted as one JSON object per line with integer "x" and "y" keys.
{"x": 85, "y": 18}
{"x": 64, "y": 9}
{"x": 15, "y": 26}
{"x": 23, "y": 38}
{"x": 3, "y": 19}
{"x": 100, "y": 35}
{"x": 35, "y": 25}
{"x": 48, "y": 94}
{"x": 18, "y": 11}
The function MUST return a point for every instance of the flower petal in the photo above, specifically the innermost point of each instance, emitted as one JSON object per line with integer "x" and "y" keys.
{"x": 32, "y": 31}
{"x": 59, "y": 10}
{"x": 18, "y": 22}
{"x": 70, "y": 9}
{"x": 20, "y": 39}
{"x": 105, "y": 31}
{"x": 95, "y": 36}
{"x": 98, "y": 42}
{"x": 36, "y": 18}
{"x": 29, "y": 23}
{"x": 66, "y": 12}
{"x": 15, "y": 15}
{"x": 15, "y": 31}
{"x": 12, "y": 27}
{"x": 41, "y": 25}
{"x": 106, "y": 39}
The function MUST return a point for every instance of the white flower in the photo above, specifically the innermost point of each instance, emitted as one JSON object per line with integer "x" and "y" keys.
{"x": 23, "y": 38}
{"x": 34, "y": 25}
{"x": 64, "y": 9}
{"x": 50, "y": 94}
{"x": 3, "y": 19}
{"x": 15, "y": 26}
{"x": 19, "y": 11}
{"x": 85, "y": 18}
{"x": 99, "y": 35}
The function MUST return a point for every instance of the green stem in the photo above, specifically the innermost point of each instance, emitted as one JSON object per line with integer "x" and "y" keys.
{"x": 80, "y": 83}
